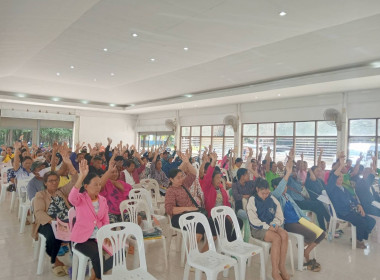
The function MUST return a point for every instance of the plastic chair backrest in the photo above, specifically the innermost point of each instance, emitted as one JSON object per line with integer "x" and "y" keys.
{"x": 154, "y": 192}
{"x": 145, "y": 182}
{"x": 4, "y": 172}
{"x": 188, "y": 224}
{"x": 142, "y": 194}
{"x": 332, "y": 209}
{"x": 219, "y": 215}
{"x": 118, "y": 235}
{"x": 72, "y": 214}
{"x": 21, "y": 188}
{"x": 133, "y": 207}
{"x": 137, "y": 186}
{"x": 196, "y": 165}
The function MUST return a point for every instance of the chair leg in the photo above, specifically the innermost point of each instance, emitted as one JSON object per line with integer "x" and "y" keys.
{"x": 198, "y": 274}
{"x": 301, "y": 246}
{"x": 291, "y": 255}
{"x": 226, "y": 272}
{"x": 237, "y": 271}
{"x": 186, "y": 272}
{"x": 82, "y": 268}
{"x": 353, "y": 236}
{"x": 262, "y": 265}
{"x": 24, "y": 213}
{"x": 183, "y": 249}
{"x": 74, "y": 270}
{"x": 242, "y": 268}
{"x": 41, "y": 257}
{"x": 165, "y": 253}
{"x": 36, "y": 247}
{"x": 13, "y": 200}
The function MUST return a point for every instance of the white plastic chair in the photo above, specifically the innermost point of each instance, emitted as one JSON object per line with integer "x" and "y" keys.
{"x": 23, "y": 206}
{"x": 266, "y": 247}
{"x": 180, "y": 240}
{"x": 334, "y": 219}
{"x": 300, "y": 250}
{"x": 133, "y": 207}
{"x": 238, "y": 248}
{"x": 80, "y": 261}
{"x": 118, "y": 234}
{"x": 4, "y": 183}
{"x": 210, "y": 262}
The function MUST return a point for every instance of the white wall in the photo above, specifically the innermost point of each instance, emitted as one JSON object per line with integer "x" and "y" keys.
{"x": 96, "y": 127}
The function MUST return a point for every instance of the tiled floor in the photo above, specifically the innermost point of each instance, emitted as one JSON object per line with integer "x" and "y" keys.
{"x": 337, "y": 259}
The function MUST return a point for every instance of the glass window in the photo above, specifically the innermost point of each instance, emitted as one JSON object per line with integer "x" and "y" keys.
{"x": 185, "y": 131}
{"x": 364, "y": 145}
{"x": 218, "y": 130}
{"x": 228, "y": 144}
{"x": 195, "y": 131}
{"x": 305, "y": 128}
{"x": 326, "y": 128}
{"x": 364, "y": 127}
{"x": 284, "y": 129}
{"x": 229, "y": 131}
{"x": 283, "y": 146}
{"x": 5, "y": 137}
{"x": 195, "y": 144}
{"x": 265, "y": 142}
{"x": 206, "y": 130}
{"x": 248, "y": 142}
{"x": 266, "y": 129}
{"x": 250, "y": 129}
{"x": 217, "y": 145}
{"x": 307, "y": 147}
{"x": 328, "y": 144}
{"x": 205, "y": 142}
{"x": 185, "y": 143}
{"x": 49, "y": 135}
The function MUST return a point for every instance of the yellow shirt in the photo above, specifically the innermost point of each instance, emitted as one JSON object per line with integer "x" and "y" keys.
{"x": 8, "y": 158}
{"x": 64, "y": 180}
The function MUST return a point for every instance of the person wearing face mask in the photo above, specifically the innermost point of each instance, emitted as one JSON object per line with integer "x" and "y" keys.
{"x": 91, "y": 214}
{"x": 347, "y": 207}
{"x": 36, "y": 184}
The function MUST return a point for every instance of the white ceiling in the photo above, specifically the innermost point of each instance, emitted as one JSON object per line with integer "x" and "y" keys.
{"x": 231, "y": 43}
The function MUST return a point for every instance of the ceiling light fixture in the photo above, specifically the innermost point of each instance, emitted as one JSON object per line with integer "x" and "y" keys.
{"x": 112, "y": 105}
{"x": 56, "y": 99}
{"x": 256, "y": 97}
{"x": 84, "y": 101}
{"x": 132, "y": 105}
{"x": 112, "y": 74}
{"x": 95, "y": 80}
{"x": 188, "y": 95}
{"x": 58, "y": 74}
{"x": 279, "y": 94}
{"x": 153, "y": 59}
{"x": 135, "y": 35}
{"x": 186, "y": 49}
{"x": 72, "y": 67}
{"x": 375, "y": 64}
{"x": 21, "y": 95}
{"x": 282, "y": 14}
{"x": 105, "y": 49}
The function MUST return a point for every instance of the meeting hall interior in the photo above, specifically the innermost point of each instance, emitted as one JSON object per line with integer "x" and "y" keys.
{"x": 203, "y": 139}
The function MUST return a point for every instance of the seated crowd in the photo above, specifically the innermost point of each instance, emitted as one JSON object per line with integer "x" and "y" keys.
{"x": 272, "y": 197}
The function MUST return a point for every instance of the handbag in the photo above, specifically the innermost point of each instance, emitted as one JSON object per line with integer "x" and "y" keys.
{"x": 200, "y": 209}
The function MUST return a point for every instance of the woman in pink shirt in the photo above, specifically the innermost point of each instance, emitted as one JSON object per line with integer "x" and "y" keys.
{"x": 115, "y": 191}
{"x": 91, "y": 214}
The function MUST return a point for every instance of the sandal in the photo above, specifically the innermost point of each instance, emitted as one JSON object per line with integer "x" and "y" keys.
{"x": 59, "y": 271}
{"x": 313, "y": 265}
{"x": 66, "y": 269}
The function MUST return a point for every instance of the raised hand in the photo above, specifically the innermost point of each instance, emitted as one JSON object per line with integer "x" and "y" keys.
{"x": 17, "y": 145}
{"x": 109, "y": 141}
{"x": 302, "y": 156}
{"x": 250, "y": 152}
{"x": 83, "y": 168}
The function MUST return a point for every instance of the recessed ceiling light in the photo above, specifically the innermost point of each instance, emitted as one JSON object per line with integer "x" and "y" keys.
{"x": 105, "y": 49}
{"x": 256, "y": 97}
{"x": 153, "y": 59}
{"x": 135, "y": 35}
{"x": 132, "y": 105}
{"x": 185, "y": 48}
{"x": 279, "y": 94}
{"x": 375, "y": 64}
{"x": 95, "y": 80}
{"x": 72, "y": 67}
{"x": 56, "y": 99}
{"x": 112, "y": 74}
{"x": 58, "y": 74}
{"x": 21, "y": 95}
{"x": 112, "y": 105}
{"x": 188, "y": 95}
{"x": 84, "y": 101}
{"x": 281, "y": 14}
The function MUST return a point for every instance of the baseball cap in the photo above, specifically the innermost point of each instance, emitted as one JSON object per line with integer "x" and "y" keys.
{"x": 36, "y": 164}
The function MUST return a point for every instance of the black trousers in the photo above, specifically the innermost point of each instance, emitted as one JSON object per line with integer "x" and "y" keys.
{"x": 364, "y": 225}
{"x": 90, "y": 249}
{"x": 318, "y": 208}
{"x": 52, "y": 244}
